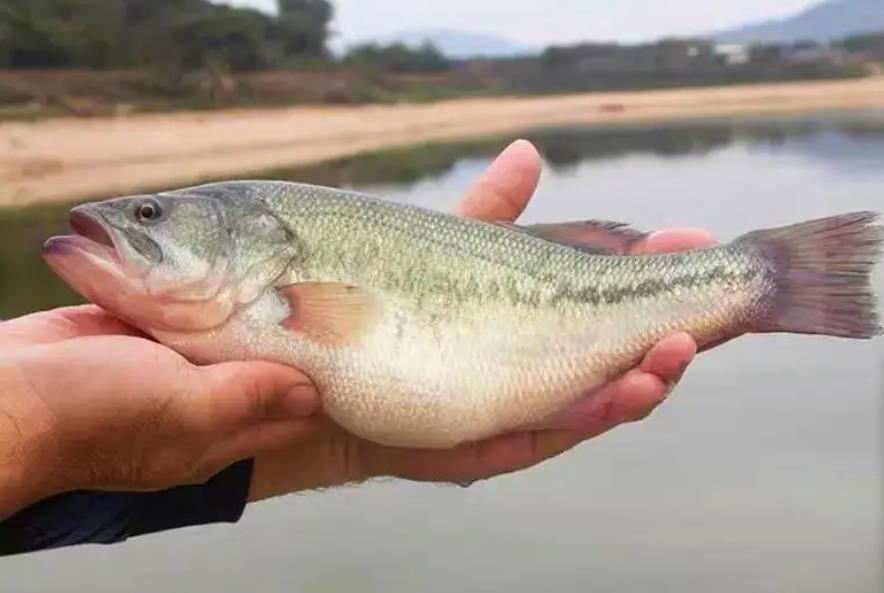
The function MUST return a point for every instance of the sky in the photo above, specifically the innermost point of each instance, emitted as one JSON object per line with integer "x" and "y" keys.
{"x": 539, "y": 23}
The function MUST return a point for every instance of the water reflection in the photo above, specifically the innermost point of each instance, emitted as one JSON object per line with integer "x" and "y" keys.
{"x": 850, "y": 140}
{"x": 850, "y": 143}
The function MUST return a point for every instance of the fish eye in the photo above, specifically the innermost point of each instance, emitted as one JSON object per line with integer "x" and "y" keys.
{"x": 148, "y": 211}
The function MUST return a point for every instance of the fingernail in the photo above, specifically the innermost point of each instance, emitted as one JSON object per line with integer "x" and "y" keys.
{"x": 672, "y": 384}
{"x": 300, "y": 400}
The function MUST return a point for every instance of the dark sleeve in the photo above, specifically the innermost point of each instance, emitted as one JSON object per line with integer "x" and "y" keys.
{"x": 109, "y": 517}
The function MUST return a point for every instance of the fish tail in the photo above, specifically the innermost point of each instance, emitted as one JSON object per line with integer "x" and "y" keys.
{"x": 821, "y": 272}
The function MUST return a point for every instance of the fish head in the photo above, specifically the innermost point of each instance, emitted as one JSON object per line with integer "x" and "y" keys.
{"x": 177, "y": 261}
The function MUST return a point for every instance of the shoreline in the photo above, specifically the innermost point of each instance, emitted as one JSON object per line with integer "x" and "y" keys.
{"x": 69, "y": 159}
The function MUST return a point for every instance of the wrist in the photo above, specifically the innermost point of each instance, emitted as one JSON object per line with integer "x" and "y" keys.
{"x": 24, "y": 477}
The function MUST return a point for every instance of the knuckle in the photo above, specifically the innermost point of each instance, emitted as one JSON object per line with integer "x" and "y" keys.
{"x": 256, "y": 398}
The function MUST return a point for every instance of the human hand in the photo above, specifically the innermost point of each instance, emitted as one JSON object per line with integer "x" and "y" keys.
{"x": 334, "y": 457}
{"x": 86, "y": 402}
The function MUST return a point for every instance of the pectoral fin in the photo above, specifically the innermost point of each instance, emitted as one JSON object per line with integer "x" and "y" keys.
{"x": 329, "y": 313}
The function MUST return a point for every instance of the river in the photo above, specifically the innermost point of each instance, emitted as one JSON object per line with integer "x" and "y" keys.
{"x": 764, "y": 471}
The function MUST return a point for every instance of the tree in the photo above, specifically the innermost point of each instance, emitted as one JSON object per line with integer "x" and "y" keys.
{"x": 234, "y": 38}
{"x": 398, "y": 57}
{"x": 304, "y": 26}
{"x": 168, "y": 34}
{"x": 60, "y": 33}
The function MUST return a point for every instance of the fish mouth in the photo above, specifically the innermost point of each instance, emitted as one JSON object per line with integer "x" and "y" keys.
{"x": 91, "y": 235}
{"x": 88, "y": 225}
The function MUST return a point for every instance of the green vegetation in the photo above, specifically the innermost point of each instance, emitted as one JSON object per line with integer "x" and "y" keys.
{"x": 168, "y": 34}
{"x": 99, "y": 57}
{"x": 398, "y": 57}
{"x": 870, "y": 46}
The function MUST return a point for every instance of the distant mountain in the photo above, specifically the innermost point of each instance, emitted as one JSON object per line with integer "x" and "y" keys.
{"x": 824, "y": 22}
{"x": 460, "y": 44}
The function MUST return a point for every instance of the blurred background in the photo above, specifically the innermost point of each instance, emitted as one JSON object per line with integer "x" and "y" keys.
{"x": 764, "y": 472}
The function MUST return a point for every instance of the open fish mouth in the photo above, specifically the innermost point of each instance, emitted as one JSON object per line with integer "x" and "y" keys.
{"x": 90, "y": 235}
{"x": 89, "y": 226}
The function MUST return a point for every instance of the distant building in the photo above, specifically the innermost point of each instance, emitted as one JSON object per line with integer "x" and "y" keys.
{"x": 733, "y": 54}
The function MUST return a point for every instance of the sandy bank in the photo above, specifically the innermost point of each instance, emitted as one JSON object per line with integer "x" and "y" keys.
{"x": 69, "y": 159}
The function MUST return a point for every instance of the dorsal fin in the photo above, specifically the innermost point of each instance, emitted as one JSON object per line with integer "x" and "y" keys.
{"x": 592, "y": 236}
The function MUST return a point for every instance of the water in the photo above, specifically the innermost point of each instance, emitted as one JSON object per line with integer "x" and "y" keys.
{"x": 764, "y": 472}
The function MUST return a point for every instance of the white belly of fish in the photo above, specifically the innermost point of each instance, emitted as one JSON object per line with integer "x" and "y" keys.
{"x": 421, "y": 387}
{"x": 404, "y": 383}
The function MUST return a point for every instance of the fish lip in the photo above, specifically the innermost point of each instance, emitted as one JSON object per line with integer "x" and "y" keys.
{"x": 91, "y": 235}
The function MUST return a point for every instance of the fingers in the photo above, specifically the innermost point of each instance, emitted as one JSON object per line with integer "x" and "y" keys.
{"x": 244, "y": 395}
{"x": 248, "y": 409}
{"x": 327, "y": 456}
{"x": 90, "y": 320}
{"x": 673, "y": 240}
{"x": 631, "y": 398}
{"x": 503, "y": 191}
{"x": 670, "y": 358}
{"x": 66, "y": 323}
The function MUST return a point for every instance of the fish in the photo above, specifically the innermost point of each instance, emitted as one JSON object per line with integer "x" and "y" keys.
{"x": 424, "y": 329}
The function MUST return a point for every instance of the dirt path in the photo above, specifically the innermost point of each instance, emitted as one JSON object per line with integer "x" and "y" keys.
{"x": 70, "y": 159}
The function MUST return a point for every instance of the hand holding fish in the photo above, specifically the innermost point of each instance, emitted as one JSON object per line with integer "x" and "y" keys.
{"x": 92, "y": 404}
{"x": 99, "y": 405}
{"x": 441, "y": 347}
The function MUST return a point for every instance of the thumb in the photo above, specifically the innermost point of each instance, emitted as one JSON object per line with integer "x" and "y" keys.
{"x": 504, "y": 190}
{"x": 254, "y": 408}
{"x": 243, "y": 395}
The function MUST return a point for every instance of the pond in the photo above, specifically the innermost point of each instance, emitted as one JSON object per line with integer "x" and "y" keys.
{"x": 764, "y": 472}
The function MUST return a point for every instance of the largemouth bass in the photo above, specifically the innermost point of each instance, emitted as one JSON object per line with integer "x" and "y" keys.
{"x": 428, "y": 330}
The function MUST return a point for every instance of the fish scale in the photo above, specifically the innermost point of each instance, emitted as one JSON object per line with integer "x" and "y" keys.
{"x": 424, "y": 329}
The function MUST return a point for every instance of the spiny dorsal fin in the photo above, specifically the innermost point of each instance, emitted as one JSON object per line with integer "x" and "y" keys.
{"x": 329, "y": 313}
{"x": 593, "y": 236}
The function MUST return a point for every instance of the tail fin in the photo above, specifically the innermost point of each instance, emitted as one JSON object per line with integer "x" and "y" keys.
{"x": 822, "y": 276}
